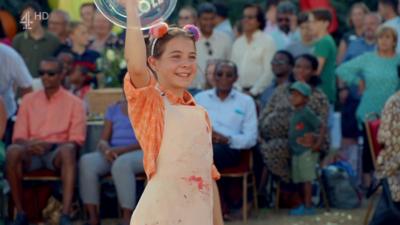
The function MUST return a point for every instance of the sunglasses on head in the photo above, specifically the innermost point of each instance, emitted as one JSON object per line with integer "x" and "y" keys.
{"x": 51, "y": 73}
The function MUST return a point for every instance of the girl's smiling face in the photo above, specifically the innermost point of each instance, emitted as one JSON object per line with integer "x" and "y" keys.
{"x": 176, "y": 67}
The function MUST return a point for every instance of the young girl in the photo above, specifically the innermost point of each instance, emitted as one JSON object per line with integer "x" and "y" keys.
{"x": 173, "y": 131}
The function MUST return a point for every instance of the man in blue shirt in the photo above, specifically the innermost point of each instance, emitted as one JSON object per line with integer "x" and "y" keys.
{"x": 233, "y": 116}
{"x": 350, "y": 96}
{"x": 368, "y": 42}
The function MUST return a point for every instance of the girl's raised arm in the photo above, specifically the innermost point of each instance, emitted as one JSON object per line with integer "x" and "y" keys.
{"x": 135, "y": 47}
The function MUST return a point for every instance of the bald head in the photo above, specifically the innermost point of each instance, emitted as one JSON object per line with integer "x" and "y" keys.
{"x": 371, "y": 23}
{"x": 58, "y": 23}
{"x": 101, "y": 25}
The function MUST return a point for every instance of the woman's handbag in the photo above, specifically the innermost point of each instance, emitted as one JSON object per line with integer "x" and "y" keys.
{"x": 387, "y": 212}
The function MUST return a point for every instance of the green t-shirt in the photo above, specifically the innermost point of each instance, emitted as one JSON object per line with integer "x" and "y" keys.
{"x": 326, "y": 48}
{"x": 303, "y": 121}
{"x": 33, "y": 51}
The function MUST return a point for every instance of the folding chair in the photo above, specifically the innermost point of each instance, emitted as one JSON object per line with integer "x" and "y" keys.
{"x": 372, "y": 123}
{"x": 244, "y": 170}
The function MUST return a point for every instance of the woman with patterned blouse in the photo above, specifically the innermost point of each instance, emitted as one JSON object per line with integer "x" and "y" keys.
{"x": 376, "y": 74}
{"x": 389, "y": 135}
{"x": 274, "y": 120}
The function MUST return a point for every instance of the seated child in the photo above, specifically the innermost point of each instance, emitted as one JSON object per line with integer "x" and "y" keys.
{"x": 80, "y": 80}
{"x": 305, "y": 139}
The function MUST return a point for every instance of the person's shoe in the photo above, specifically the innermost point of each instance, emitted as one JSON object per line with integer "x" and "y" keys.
{"x": 299, "y": 211}
{"x": 309, "y": 211}
{"x": 21, "y": 219}
{"x": 65, "y": 220}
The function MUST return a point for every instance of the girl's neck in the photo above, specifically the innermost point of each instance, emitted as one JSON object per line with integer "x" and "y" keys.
{"x": 78, "y": 48}
{"x": 178, "y": 92}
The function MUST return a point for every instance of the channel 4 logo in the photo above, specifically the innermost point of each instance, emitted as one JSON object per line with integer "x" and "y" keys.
{"x": 27, "y": 20}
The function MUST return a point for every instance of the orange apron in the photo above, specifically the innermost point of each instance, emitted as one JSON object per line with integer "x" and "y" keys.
{"x": 181, "y": 191}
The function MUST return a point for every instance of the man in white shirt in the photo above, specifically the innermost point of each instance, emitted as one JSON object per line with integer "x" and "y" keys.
{"x": 388, "y": 10}
{"x": 212, "y": 44}
{"x": 253, "y": 52}
{"x": 233, "y": 116}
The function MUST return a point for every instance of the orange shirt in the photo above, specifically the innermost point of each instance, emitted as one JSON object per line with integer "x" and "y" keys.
{"x": 61, "y": 118}
{"x": 146, "y": 112}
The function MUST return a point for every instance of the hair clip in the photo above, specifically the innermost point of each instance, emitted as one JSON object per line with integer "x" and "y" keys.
{"x": 159, "y": 30}
{"x": 193, "y": 30}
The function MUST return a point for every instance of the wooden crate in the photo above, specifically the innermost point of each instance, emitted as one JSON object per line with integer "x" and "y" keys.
{"x": 99, "y": 100}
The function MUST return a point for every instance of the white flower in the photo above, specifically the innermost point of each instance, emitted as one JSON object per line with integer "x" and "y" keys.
{"x": 122, "y": 64}
{"x": 110, "y": 54}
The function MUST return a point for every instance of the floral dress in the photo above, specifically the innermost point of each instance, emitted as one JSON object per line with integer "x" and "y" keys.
{"x": 389, "y": 135}
{"x": 274, "y": 128}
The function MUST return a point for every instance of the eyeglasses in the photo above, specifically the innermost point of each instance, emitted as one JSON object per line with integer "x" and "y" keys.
{"x": 278, "y": 62}
{"x": 221, "y": 74}
{"x": 184, "y": 17}
{"x": 51, "y": 73}
{"x": 209, "y": 49}
{"x": 283, "y": 19}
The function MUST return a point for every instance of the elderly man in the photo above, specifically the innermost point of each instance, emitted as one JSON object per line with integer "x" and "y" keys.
{"x": 233, "y": 116}
{"x": 58, "y": 24}
{"x": 287, "y": 28}
{"x": 103, "y": 35}
{"x": 234, "y": 121}
{"x": 368, "y": 42}
{"x": 48, "y": 132}
{"x": 187, "y": 15}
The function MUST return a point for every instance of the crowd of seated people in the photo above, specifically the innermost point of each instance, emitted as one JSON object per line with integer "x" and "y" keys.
{"x": 250, "y": 79}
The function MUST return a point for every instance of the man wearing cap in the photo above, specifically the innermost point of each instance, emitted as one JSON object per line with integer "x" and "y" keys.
{"x": 305, "y": 139}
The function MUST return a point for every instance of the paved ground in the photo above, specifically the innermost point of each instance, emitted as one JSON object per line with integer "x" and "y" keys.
{"x": 272, "y": 217}
{"x": 335, "y": 217}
